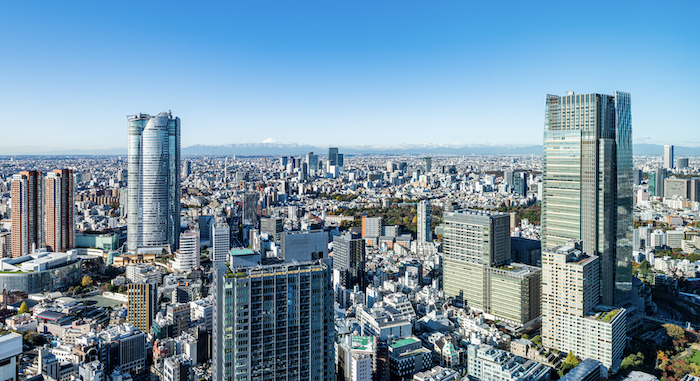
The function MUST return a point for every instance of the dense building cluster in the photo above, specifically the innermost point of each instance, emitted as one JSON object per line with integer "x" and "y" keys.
{"x": 348, "y": 267}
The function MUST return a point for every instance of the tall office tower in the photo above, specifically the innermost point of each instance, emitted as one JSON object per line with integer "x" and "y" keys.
{"x": 656, "y": 182}
{"x": 473, "y": 240}
{"x": 425, "y": 221}
{"x": 520, "y": 184}
{"x": 428, "y": 164}
{"x": 372, "y": 227}
{"x": 637, "y": 176}
{"x": 187, "y": 258}
{"x": 142, "y": 305}
{"x": 60, "y": 215}
{"x": 333, "y": 156}
{"x": 250, "y": 208}
{"x": 349, "y": 260}
{"x": 154, "y": 181}
{"x": 186, "y": 168}
{"x": 587, "y": 180}
{"x": 668, "y": 157}
{"x": 27, "y": 212}
{"x": 273, "y": 322}
{"x": 508, "y": 178}
{"x": 682, "y": 162}
{"x": 312, "y": 163}
{"x": 341, "y": 160}
{"x": 220, "y": 241}
{"x": 283, "y": 162}
{"x": 572, "y": 320}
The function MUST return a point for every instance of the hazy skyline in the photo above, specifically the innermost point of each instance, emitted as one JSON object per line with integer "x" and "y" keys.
{"x": 353, "y": 73}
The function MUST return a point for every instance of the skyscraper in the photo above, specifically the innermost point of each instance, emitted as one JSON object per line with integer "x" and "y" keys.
{"x": 520, "y": 184}
{"x": 312, "y": 162}
{"x": 349, "y": 260}
{"x": 428, "y": 164}
{"x": 333, "y": 156}
{"x": 154, "y": 181}
{"x": 220, "y": 241}
{"x": 60, "y": 210}
{"x": 27, "y": 212}
{"x": 250, "y": 208}
{"x": 425, "y": 221}
{"x": 273, "y": 322}
{"x": 473, "y": 240}
{"x": 668, "y": 157}
{"x": 587, "y": 180}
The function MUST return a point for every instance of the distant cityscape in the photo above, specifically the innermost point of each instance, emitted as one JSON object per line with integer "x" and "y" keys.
{"x": 576, "y": 260}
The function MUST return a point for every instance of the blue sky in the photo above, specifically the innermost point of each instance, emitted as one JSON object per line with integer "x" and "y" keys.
{"x": 340, "y": 72}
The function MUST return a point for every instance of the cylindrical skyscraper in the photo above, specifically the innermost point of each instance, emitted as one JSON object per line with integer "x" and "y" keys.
{"x": 153, "y": 213}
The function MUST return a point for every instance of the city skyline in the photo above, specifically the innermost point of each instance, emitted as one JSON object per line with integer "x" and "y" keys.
{"x": 317, "y": 68}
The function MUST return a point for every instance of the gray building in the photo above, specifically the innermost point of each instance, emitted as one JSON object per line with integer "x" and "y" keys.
{"x": 250, "y": 208}
{"x": 349, "y": 260}
{"x": 425, "y": 221}
{"x": 668, "y": 157}
{"x": 520, "y": 184}
{"x": 153, "y": 215}
{"x": 587, "y": 180}
{"x": 304, "y": 245}
{"x": 273, "y": 322}
{"x": 274, "y": 226}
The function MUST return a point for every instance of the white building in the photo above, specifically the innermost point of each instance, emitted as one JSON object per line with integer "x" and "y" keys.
{"x": 487, "y": 363}
{"x": 220, "y": 242}
{"x": 10, "y": 352}
{"x": 187, "y": 257}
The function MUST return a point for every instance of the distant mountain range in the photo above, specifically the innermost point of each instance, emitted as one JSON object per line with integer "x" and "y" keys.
{"x": 270, "y": 148}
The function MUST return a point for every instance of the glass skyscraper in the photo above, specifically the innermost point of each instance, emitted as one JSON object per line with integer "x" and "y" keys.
{"x": 273, "y": 322}
{"x": 587, "y": 180}
{"x": 153, "y": 210}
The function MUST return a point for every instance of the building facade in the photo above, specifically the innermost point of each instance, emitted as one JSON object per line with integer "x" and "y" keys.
{"x": 425, "y": 221}
{"x": 60, "y": 210}
{"x": 273, "y": 322}
{"x": 349, "y": 260}
{"x": 153, "y": 211}
{"x": 587, "y": 180}
{"x": 142, "y": 305}
{"x": 668, "y": 157}
{"x": 472, "y": 241}
{"x": 27, "y": 192}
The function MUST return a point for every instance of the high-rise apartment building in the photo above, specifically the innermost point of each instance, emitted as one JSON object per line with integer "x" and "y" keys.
{"x": 220, "y": 241}
{"x": 587, "y": 180}
{"x": 27, "y": 192}
{"x": 668, "y": 157}
{"x": 154, "y": 181}
{"x": 273, "y": 322}
{"x": 473, "y": 240}
{"x": 508, "y": 178}
{"x": 142, "y": 305}
{"x": 572, "y": 319}
{"x": 425, "y": 221}
{"x": 349, "y": 260}
{"x": 60, "y": 210}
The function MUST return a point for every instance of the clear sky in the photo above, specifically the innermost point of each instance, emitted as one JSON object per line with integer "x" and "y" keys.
{"x": 340, "y": 72}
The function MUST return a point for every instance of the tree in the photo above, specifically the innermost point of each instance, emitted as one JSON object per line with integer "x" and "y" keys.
{"x": 78, "y": 290}
{"x": 537, "y": 340}
{"x": 526, "y": 336}
{"x": 632, "y": 361}
{"x": 23, "y": 308}
{"x": 674, "y": 331}
{"x": 87, "y": 281}
{"x": 572, "y": 359}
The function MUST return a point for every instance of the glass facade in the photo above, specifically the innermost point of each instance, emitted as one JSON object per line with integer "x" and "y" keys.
{"x": 274, "y": 323}
{"x": 153, "y": 210}
{"x": 587, "y": 180}
{"x": 43, "y": 281}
